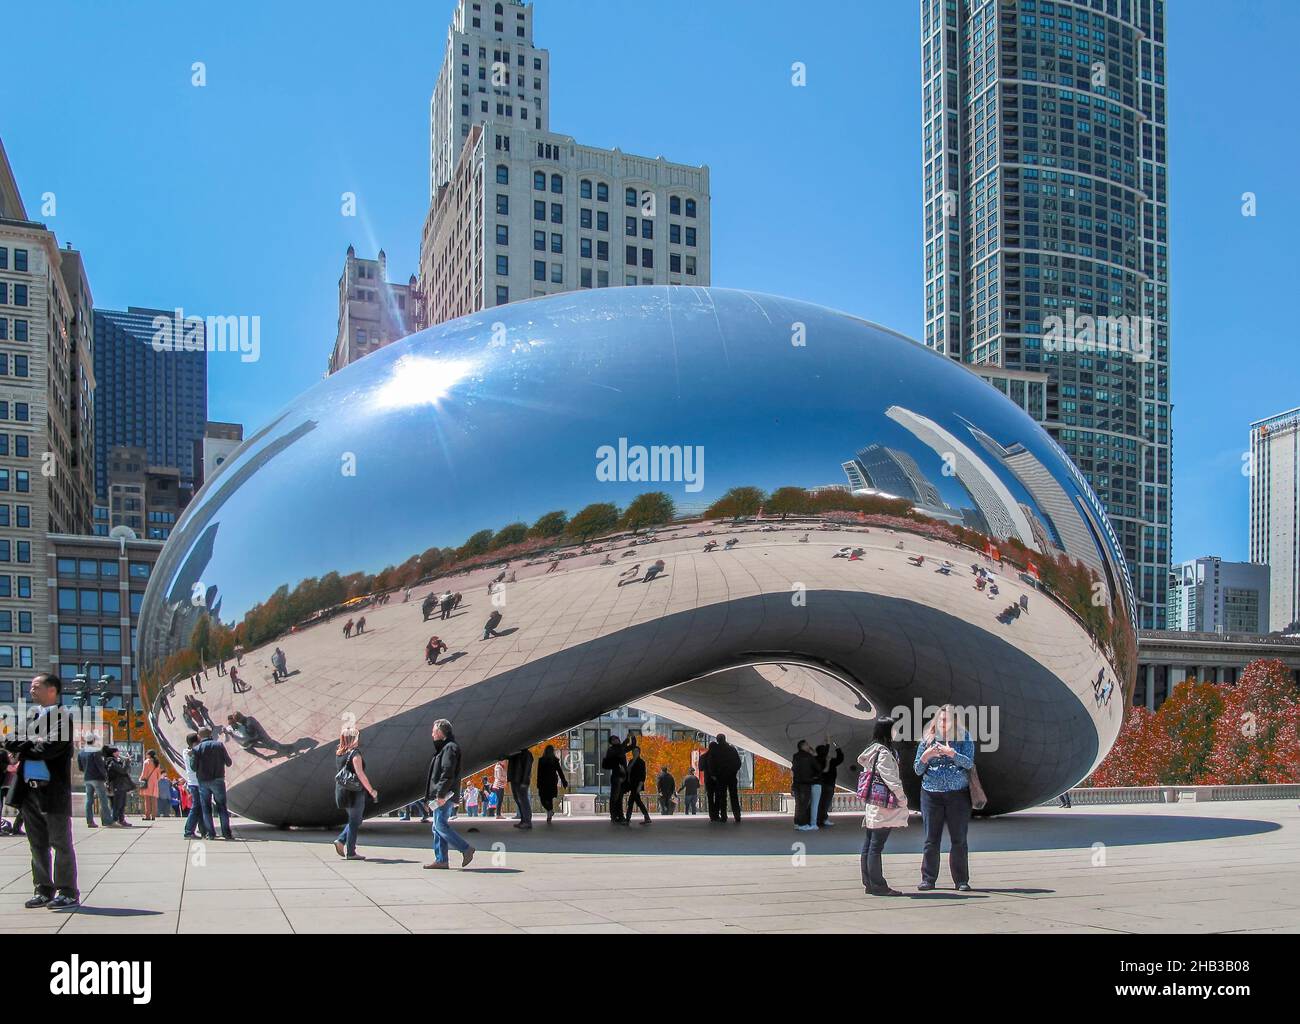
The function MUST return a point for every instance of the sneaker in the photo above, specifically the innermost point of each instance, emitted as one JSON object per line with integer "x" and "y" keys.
{"x": 64, "y": 903}
{"x": 828, "y": 823}
{"x": 925, "y": 887}
{"x": 467, "y": 856}
{"x": 964, "y": 887}
{"x": 39, "y": 900}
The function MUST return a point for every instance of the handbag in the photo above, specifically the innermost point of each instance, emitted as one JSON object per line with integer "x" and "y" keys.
{"x": 978, "y": 798}
{"x": 346, "y": 778}
{"x": 874, "y": 790}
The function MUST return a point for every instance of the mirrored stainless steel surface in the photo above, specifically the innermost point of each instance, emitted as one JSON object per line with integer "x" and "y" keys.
{"x": 920, "y": 539}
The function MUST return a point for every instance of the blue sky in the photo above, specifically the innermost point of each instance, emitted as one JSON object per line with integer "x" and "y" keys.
{"x": 226, "y": 199}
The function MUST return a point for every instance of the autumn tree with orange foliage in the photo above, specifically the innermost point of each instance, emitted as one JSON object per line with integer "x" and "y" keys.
{"x": 1136, "y": 758}
{"x": 1186, "y": 722}
{"x": 1257, "y": 735}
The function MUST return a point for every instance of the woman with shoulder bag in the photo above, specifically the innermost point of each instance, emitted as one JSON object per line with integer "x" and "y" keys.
{"x": 882, "y": 788}
{"x": 350, "y": 789}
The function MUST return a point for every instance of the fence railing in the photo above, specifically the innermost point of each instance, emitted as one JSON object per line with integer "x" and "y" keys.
{"x": 1178, "y": 794}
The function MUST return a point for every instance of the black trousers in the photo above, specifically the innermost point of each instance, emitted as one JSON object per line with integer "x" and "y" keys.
{"x": 50, "y": 837}
{"x": 728, "y": 786}
{"x": 547, "y": 800}
{"x": 616, "y": 793}
{"x": 937, "y": 810}
{"x": 711, "y": 798}
{"x": 634, "y": 800}
{"x": 803, "y": 809}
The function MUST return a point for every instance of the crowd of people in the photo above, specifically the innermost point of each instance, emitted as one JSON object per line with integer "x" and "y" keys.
{"x": 39, "y": 774}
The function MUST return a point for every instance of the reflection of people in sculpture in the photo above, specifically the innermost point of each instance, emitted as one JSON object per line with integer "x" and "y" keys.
{"x": 361, "y": 625}
{"x": 447, "y": 603}
{"x": 432, "y": 649}
{"x": 428, "y": 605}
{"x": 347, "y": 630}
{"x": 731, "y": 544}
{"x": 608, "y": 560}
{"x": 237, "y": 684}
{"x": 630, "y": 575}
{"x": 654, "y": 571}
{"x": 279, "y": 665}
{"x": 493, "y": 620}
{"x": 708, "y": 548}
{"x": 248, "y": 733}
{"x": 554, "y": 565}
{"x": 166, "y": 707}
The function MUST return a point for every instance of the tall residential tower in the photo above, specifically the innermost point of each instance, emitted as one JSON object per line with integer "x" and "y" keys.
{"x": 1275, "y": 512}
{"x": 1046, "y": 236}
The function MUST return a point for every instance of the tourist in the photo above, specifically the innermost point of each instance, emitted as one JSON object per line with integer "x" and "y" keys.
{"x": 944, "y": 759}
{"x": 615, "y": 762}
{"x": 236, "y": 684}
{"x": 806, "y": 774}
{"x": 432, "y": 649}
{"x": 211, "y": 759}
{"x": 882, "y": 789}
{"x": 350, "y": 788}
{"x": 279, "y": 665}
{"x": 724, "y": 764}
{"x": 519, "y": 773}
{"x": 361, "y": 625}
{"x": 829, "y": 777}
{"x": 654, "y": 571}
{"x": 90, "y": 759}
{"x": 635, "y": 783}
{"x": 149, "y": 773}
{"x": 43, "y": 795}
{"x": 441, "y": 788}
{"x": 194, "y": 819}
{"x": 710, "y": 786}
{"x": 428, "y": 605}
{"x": 347, "y": 630}
{"x": 666, "y": 786}
{"x": 630, "y": 575}
{"x": 493, "y": 620}
{"x": 500, "y": 777}
{"x": 120, "y": 784}
{"x": 691, "y": 793}
{"x": 550, "y": 776}
{"x": 447, "y": 603}
{"x": 470, "y": 798}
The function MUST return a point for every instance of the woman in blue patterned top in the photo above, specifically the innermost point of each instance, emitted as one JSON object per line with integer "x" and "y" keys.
{"x": 944, "y": 759}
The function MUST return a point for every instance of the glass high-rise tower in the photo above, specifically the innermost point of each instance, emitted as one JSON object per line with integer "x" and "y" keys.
{"x": 1045, "y": 191}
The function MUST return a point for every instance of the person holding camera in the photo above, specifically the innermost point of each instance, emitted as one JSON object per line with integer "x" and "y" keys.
{"x": 43, "y": 794}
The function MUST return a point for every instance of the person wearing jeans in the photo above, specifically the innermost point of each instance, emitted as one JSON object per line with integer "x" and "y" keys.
{"x": 440, "y": 788}
{"x": 351, "y": 801}
{"x": 90, "y": 759}
{"x": 944, "y": 759}
{"x": 195, "y": 816}
{"x": 211, "y": 759}
{"x": 519, "y": 773}
{"x": 887, "y": 812}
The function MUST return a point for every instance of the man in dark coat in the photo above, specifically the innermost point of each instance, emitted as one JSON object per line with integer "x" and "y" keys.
{"x": 615, "y": 763}
{"x": 636, "y": 783}
{"x": 710, "y": 783}
{"x": 519, "y": 773}
{"x": 828, "y": 781}
{"x": 442, "y": 788}
{"x": 724, "y": 760}
{"x": 666, "y": 786}
{"x": 44, "y": 795}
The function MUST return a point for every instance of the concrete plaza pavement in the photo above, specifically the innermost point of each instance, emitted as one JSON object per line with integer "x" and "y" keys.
{"x": 1186, "y": 868}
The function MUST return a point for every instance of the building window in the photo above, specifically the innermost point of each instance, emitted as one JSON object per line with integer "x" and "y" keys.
{"x": 557, "y": 242}
{"x": 675, "y": 234}
{"x": 539, "y": 210}
{"x": 557, "y": 184}
{"x": 584, "y": 221}
{"x": 602, "y": 192}
{"x": 584, "y": 188}
{"x": 503, "y": 174}
{"x": 503, "y": 296}
{"x": 602, "y": 250}
{"x": 690, "y": 207}
{"x": 585, "y": 277}
{"x": 647, "y": 228}
{"x": 630, "y": 256}
{"x": 503, "y": 203}
{"x": 690, "y": 236}
{"x": 503, "y": 265}
{"x": 539, "y": 241}
{"x": 557, "y": 273}
{"x": 675, "y": 205}
{"x": 647, "y": 258}
{"x": 20, "y": 262}
{"x": 503, "y": 234}
{"x": 602, "y": 220}
{"x": 539, "y": 270}
{"x": 584, "y": 248}
{"x": 557, "y": 213}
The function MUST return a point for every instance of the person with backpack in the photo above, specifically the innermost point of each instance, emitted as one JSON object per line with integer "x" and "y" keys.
{"x": 881, "y": 786}
{"x": 350, "y": 788}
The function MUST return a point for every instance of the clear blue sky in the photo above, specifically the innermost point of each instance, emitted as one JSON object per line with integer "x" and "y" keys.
{"x": 225, "y": 199}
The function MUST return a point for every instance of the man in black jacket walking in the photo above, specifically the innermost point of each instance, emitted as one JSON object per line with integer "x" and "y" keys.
{"x": 441, "y": 788}
{"x": 519, "y": 773}
{"x": 615, "y": 763}
{"x": 636, "y": 783}
{"x": 44, "y": 795}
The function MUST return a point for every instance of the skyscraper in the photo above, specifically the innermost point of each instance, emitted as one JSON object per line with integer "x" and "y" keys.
{"x": 517, "y": 211}
{"x": 149, "y": 395}
{"x": 1209, "y": 595}
{"x": 47, "y": 428}
{"x": 1275, "y": 512}
{"x": 1046, "y": 236}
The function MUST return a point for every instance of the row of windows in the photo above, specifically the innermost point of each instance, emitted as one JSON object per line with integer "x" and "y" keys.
{"x": 7, "y": 656}
{"x": 15, "y": 551}
{"x": 22, "y": 412}
{"x": 7, "y": 619}
{"x": 21, "y": 515}
{"x": 20, "y": 259}
{"x": 17, "y": 362}
{"x": 22, "y": 480}
{"x": 19, "y": 329}
{"x": 22, "y": 445}
{"x": 18, "y": 292}
{"x": 90, "y": 638}
{"x": 11, "y": 585}
{"x": 94, "y": 602}
{"x": 105, "y": 568}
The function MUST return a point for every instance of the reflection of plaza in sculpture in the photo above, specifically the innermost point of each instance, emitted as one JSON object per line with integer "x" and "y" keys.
{"x": 436, "y": 460}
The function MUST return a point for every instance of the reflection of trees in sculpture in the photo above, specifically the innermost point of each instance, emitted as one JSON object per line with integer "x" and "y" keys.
{"x": 737, "y": 502}
{"x": 552, "y": 524}
{"x": 597, "y": 518}
{"x": 1212, "y": 734}
{"x": 652, "y": 509}
{"x": 789, "y": 501}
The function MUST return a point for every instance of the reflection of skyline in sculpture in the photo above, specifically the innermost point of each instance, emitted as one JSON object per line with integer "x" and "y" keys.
{"x": 991, "y": 496}
{"x": 895, "y": 473}
{"x": 286, "y": 540}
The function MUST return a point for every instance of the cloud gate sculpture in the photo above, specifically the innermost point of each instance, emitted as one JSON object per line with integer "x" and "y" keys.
{"x": 743, "y": 511}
